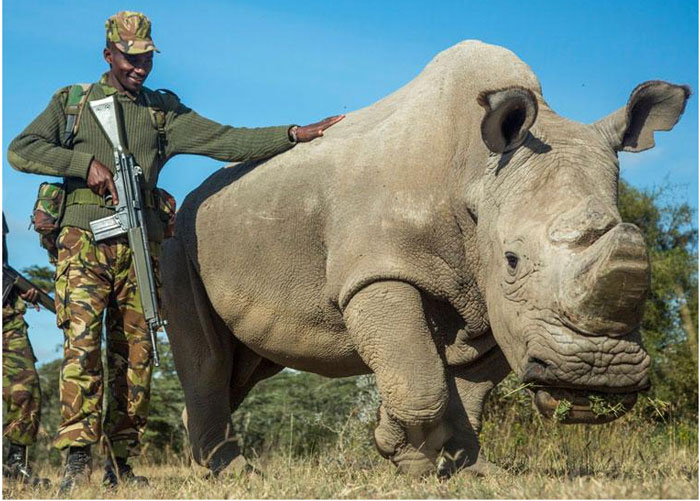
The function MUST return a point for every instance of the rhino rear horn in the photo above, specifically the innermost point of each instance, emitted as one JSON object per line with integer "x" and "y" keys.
{"x": 652, "y": 106}
{"x": 509, "y": 115}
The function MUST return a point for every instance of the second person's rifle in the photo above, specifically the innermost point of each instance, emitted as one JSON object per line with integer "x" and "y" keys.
{"x": 11, "y": 278}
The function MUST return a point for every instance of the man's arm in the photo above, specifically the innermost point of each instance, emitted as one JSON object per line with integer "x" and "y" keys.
{"x": 38, "y": 148}
{"x": 189, "y": 132}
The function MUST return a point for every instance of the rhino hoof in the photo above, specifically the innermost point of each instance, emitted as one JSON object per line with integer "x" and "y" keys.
{"x": 224, "y": 454}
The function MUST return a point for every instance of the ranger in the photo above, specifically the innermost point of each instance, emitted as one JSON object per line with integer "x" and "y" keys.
{"x": 20, "y": 382}
{"x": 97, "y": 277}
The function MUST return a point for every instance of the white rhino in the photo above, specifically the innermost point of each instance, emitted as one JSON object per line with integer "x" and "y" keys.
{"x": 451, "y": 232}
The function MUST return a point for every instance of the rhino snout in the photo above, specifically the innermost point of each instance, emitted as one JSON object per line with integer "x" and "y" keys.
{"x": 602, "y": 292}
{"x": 578, "y": 375}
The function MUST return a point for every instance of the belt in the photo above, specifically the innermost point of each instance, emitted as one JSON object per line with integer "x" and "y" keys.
{"x": 85, "y": 196}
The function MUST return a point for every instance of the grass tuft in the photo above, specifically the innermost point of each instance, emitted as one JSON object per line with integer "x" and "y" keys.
{"x": 561, "y": 412}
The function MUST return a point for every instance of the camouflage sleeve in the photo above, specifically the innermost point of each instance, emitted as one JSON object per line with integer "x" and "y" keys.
{"x": 38, "y": 148}
{"x": 189, "y": 132}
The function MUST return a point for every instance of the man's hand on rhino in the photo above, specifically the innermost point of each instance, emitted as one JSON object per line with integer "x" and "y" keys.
{"x": 307, "y": 133}
{"x": 100, "y": 180}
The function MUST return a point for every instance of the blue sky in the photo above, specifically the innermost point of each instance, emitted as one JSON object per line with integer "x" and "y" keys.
{"x": 262, "y": 63}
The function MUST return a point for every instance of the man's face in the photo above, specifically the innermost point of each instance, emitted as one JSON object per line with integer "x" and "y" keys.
{"x": 128, "y": 71}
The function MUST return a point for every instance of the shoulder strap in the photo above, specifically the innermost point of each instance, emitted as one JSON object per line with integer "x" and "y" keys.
{"x": 75, "y": 103}
{"x": 77, "y": 96}
{"x": 158, "y": 118}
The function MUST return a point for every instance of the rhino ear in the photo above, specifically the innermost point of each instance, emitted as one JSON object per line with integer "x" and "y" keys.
{"x": 509, "y": 115}
{"x": 653, "y": 105}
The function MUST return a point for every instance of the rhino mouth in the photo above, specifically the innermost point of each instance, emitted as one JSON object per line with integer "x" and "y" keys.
{"x": 580, "y": 406}
{"x": 571, "y": 404}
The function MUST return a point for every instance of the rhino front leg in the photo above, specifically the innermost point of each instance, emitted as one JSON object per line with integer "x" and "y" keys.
{"x": 413, "y": 449}
{"x": 469, "y": 387}
{"x": 391, "y": 335}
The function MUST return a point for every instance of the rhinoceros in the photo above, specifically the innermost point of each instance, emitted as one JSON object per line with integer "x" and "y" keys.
{"x": 453, "y": 231}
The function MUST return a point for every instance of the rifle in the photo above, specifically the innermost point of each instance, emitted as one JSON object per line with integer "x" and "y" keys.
{"x": 11, "y": 278}
{"x": 129, "y": 213}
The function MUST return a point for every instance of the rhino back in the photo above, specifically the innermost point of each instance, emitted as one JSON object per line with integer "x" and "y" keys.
{"x": 283, "y": 244}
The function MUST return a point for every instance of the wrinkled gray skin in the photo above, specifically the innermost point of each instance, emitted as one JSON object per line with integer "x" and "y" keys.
{"x": 447, "y": 234}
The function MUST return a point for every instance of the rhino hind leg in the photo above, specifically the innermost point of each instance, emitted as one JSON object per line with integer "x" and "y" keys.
{"x": 469, "y": 387}
{"x": 241, "y": 387}
{"x": 203, "y": 351}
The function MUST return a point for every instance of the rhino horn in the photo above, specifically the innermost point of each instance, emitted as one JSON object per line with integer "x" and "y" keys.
{"x": 603, "y": 293}
{"x": 652, "y": 106}
{"x": 509, "y": 115}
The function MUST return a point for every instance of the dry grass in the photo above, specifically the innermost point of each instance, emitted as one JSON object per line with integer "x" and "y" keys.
{"x": 622, "y": 460}
{"x": 307, "y": 478}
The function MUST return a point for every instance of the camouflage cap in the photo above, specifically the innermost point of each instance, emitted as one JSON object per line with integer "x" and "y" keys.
{"x": 130, "y": 32}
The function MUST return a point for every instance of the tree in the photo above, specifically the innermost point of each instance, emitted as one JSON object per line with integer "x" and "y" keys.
{"x": 669, "y": 327}
{"x": 40, "y": 275}
{"x": 300, "y": 412}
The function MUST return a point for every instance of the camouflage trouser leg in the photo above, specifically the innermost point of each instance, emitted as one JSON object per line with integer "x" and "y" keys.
{"x": 129, "y": 353}
{"x": 20, "y": 381}
{"x": 91, "y": 278}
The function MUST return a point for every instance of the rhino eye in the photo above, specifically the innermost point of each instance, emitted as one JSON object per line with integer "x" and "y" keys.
{"x": 512, "y": 260}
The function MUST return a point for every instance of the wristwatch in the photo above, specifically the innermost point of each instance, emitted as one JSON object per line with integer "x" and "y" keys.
{"x": 293, "y": 133}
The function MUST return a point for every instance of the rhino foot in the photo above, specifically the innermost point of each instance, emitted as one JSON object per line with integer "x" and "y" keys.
{"x": 413, "y": 449}
{"x": 237, "y": 467}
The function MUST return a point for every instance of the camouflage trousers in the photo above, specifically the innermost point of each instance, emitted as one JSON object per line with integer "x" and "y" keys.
{"x": 20, "y": 381}
{"x": 96, "y": 280}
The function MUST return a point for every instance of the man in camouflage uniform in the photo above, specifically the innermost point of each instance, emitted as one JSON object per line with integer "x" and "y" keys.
{"x": 93, "y": 278}
{"x": 20, "y": 383}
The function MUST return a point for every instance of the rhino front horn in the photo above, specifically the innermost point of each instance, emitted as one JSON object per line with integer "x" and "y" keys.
{"x": 603, "y": 293}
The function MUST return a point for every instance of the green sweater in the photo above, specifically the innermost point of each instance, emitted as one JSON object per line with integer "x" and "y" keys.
{"x": 38, "y": 148}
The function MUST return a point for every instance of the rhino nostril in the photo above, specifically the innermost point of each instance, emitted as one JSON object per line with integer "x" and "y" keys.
{"x": 535, "y": 370}
{"x": 537, "y": 361}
